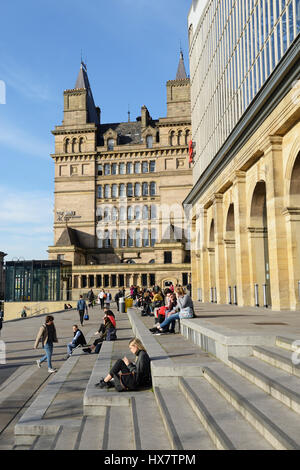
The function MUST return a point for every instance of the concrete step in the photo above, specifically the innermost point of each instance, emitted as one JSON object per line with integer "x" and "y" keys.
{"x": 183, "y": 428}
{"x": 149, "y": 431}
{"x": 277, "y": 383}
{"x": 90, "y": 436}
{"x": 66, "y": 439}
{"x": 279, "y": 425}
{"x": 226, "y": 427}
{"x": 278, "y": 357}
{"x": 44, "y": 443}
{"x": 118, "y": 430}
{"x": 286, "y": 343}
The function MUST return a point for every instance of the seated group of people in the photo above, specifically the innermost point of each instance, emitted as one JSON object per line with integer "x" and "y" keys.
{"x": 178, "y": 305}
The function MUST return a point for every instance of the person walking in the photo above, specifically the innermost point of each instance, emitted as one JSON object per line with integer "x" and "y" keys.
{"x": 47, "y": 336}
{"x": 81, "y": 308}
{"x": 91, "y": 298}
{"x": 101, "y": 297}
{"x": 108, "y": 299}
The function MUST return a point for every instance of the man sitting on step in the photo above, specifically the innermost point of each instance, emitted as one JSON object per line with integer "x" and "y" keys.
{"x": 78, "y": 340}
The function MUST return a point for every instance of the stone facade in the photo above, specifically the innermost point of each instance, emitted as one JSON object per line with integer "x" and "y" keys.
{"x": 246, "y": 202}
{"x": 119, "y": 189}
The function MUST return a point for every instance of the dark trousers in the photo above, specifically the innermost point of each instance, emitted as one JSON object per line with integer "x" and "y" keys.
{"x": 81, "y": 314}
{"x": 102, "y": 303}
{"x": 119, "y": 366}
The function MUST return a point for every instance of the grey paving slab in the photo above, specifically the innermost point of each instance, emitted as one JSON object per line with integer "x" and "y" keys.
{"x": 92, "y": 433}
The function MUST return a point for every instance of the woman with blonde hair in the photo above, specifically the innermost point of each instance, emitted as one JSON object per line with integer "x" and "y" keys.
{"x": 183, "y": 309}
{"x": 127, "y": 375}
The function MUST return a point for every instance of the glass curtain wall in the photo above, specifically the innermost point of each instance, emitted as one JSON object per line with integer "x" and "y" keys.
{"x": 237, "y": 44}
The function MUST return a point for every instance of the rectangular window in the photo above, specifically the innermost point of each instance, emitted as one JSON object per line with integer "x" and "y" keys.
{"x": 185, "y": 279}
{"x": 167, "y": 257}
{"x": 114, "y": 169}
{"x": 152, "y": 166}
{"x": 144, "y": 280}
{"x": 107, "y": 169}
{"x": 99, "y": 192}
{"x": 100, "y": 170}
{"x": 145, "y": 167}
{"x": 137, "y": 167}
{"x": 122, "y": 169}
{"x": 98, "y": 280}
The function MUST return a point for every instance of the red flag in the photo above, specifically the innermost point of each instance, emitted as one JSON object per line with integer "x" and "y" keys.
{"x": 191, "y": 151}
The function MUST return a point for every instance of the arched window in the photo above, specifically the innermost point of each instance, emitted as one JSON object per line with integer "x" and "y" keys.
{"x": 106, "y": 191}
{"x": 123, "y": 238}
{"x": 114, "y": 239}
{"x": 122, "y": 213}
{"x": 67, "y": 146}
{"x": 129, "y": 189}
{"x": 172, "y": 138}
{"x": 110, "y": 144}
{"x": 137, "y": 189}
{"x": 114, "y": 214}
{"x": 145, "y": 213}
{"x": 153, "y": 236}
{"x": 187, "y": 137}
{"x": 145, "y": 237}
{"x": 81, "y": 144}
{"x": 130, "y": 238}
{"x": 145, "y": 189}
{"x": 73, "y": 145}
{"x": 152, "y": 188}
{"x": 137, "y": 212}
{"x": 149, "y": 141}
{"x": 179, "y": 138}
{"x": 106, "y": 239}
{"x": 114, "y": 190}
{"x": 122, "y": 190}
{"x": 138, "y": 241}
{"x": 130, "y": 213}
{"x": 153, "y": 211}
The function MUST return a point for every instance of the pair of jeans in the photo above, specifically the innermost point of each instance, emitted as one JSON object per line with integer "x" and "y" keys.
{"x": 70, "y": 348}
{"x": 170, "y": 319}
{"x": 48, "y": 348}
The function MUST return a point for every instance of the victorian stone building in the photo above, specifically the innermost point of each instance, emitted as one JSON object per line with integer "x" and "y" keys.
{"x": 119, "y": 189}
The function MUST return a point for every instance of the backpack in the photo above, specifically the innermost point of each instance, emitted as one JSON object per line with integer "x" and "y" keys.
{"x": 111, "y": 335}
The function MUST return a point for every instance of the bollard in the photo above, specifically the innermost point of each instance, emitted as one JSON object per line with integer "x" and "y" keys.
{"x": 229, "y": 295}
{"x": 256, "y": 295}
{"x": 265, "y": 295}
{"x": 121, "y": 305}
{"x": 235, "y": 296}
{"x": 212, "y": 295}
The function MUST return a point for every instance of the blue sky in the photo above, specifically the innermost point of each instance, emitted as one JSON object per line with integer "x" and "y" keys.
{"x": 131, "y": 48}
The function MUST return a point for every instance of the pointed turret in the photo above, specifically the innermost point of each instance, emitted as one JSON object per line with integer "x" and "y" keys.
{"x": 181, "y": 72}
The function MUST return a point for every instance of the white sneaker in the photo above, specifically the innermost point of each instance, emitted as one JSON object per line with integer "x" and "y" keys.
{"x": 38, "y": 363}
{"x": 51, "y": 371}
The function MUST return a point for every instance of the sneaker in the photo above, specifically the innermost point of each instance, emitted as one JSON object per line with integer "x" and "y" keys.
{"x": 88, "y": 350}
{"x": 103, "y": 384}
{"x": 51, "y": 371}
{"x": 38, "y": 363}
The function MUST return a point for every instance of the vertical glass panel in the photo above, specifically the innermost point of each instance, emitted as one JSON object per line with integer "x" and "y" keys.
{"x": 99, "y": 192}
{"x": 298, "y": 16}
{"x": 122, "y": 190}
{"x": 114, "y": 169}
{"x": 284, "y": 33}
{"x": 107, "y": 169}
{"x": 278, "y": 41}
{"x": 106, "y": 190}
{"x": 129, "y": 189}
{"x": 122, "y": 169}
{"x": 137, "y": 189}
{"x": 137, "y": 167}
{"x": 138, "y": 240}
{"x": 145, "y": 167}
{"x": 152, "y": 166}
{"x": 291, "y": 23}
{"x": 273, "y": 51}
{"x": 145, "y": 189}
{"x": 268, "y": 58}
{"x": 129, "y": 168}
{"x": 114, "y": 190}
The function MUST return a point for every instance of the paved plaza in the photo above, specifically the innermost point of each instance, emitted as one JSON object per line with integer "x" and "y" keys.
{"x": 41, "y": 411}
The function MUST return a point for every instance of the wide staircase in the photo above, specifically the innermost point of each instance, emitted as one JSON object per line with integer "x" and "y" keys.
{"x": 198, "y": 402}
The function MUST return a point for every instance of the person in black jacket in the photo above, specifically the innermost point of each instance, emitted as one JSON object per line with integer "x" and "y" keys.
{"x": 78, "y": 339}
{"x": 128, "y": 375}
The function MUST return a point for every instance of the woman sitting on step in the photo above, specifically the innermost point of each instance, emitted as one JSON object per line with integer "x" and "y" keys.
{"x": 107, "y": 331}
{"x": 126, "y": 375}
{"x": 183, "y": 309}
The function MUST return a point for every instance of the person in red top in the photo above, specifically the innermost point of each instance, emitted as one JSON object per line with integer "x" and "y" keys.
{"x": 107, "y": 331}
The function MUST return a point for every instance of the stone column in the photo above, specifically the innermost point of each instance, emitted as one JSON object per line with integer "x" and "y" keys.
{"x": 292, "y": 215}
{"x": 277, "y": 238}
{"x": 204, "y": 259}
{"x": 245, "y": 291}
{"x": 219, "y": 248}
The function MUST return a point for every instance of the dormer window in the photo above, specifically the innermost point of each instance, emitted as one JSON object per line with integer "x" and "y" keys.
{"x": 110, "y": 144}
{"x": 149, "y": 141}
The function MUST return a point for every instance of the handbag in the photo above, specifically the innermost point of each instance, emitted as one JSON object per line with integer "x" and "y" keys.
{"x": 86, "y": 316}
{"x": 186, "y": 312}
{"x": 127, "y": 380}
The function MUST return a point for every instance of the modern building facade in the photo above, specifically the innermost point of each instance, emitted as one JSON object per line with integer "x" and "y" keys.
{"x": 245, "y": 102}
{"x": 119, "y": 189}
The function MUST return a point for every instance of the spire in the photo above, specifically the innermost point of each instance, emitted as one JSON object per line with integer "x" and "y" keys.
{"x": 82, "y": 82}
{"x": 181, "y": 73}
